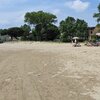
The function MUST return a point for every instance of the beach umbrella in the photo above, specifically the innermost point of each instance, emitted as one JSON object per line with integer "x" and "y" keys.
{"x": 75, "y": 38}
{"x": 98, "y": 34}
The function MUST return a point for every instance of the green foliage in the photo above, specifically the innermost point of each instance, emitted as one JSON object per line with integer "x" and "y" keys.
{"x": 81, "y": 29}
{"x": 40, "y": 17}
{"x": 40, "y": 20}
{"x": 64, "y": 37}
{"x": 15, "y": 32}
{"x": 71, "y": 28}
{"x": 40, "y": 27}
{"x": 50, "y": 33}
{"x": 97, "y": 15}
{"x": 94, "y": 38}
{"x": 32, "y": 36}
{"x": 98, "y": 25}
{"x": 3, "y": 31}
{"x": 68, "y": 26}
{"x": 26, "y": 28}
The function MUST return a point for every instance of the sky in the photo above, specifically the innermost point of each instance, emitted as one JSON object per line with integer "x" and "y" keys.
{"x": 12, "y": 12}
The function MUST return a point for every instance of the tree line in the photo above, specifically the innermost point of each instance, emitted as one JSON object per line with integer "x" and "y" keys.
{"x": 40, "y": 26}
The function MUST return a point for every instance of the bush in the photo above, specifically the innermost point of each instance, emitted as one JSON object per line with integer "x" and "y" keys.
{"x": 93, "y": 38}
{"x": 64, "y": 37}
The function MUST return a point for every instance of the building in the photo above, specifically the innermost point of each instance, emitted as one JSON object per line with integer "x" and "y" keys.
{"x": 90, "y": 32}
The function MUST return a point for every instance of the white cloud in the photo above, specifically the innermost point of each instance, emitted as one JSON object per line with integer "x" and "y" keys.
{"x": 77, "y": 5}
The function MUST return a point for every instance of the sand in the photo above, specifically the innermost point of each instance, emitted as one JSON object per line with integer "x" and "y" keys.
{"x": 49, "y": 71}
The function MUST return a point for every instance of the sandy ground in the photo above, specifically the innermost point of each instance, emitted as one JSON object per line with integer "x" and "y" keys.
{"x": 49, "y": 71}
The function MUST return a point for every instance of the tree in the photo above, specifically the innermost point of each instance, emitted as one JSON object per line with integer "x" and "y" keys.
{"x": 32, "y": 35}
{"x": 3, "y": 31}
{"x": 51, "y": 32}
{"x": 67, "y": 28}
{"x": 40, "y": 20}
{"x": 97, "y": 15}
{"x": 81, "y": 29}
{"x": 70, "y": 28}
{"x": 15, "y": 32}
{"x": 26, "y": 28}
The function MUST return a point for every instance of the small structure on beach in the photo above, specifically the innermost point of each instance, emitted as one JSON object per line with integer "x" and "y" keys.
{"x": 75, "y": 40}
{"x": 98, "y": 34}
{"x": 98, "y": 37}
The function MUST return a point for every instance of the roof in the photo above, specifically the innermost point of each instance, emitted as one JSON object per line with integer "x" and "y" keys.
{"x": 91, "y": 28}
{"x": 98, "y": 34}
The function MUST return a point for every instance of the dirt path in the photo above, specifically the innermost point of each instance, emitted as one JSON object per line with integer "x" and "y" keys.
{"x": 49, "y": 72}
